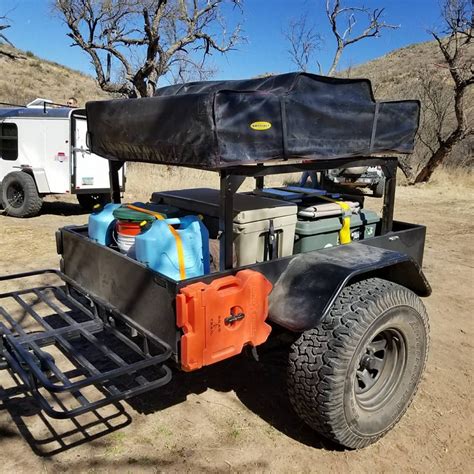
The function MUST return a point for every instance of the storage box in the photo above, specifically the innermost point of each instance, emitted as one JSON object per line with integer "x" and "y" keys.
{"x": 254, "y": 217}
{"x": 322, "y": 233}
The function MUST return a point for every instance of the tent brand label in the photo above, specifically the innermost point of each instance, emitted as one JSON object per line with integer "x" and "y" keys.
{"x": 260, "y": 125}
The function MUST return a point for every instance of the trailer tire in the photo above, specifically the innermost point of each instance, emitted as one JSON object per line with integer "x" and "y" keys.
{"x": 353, "y": 377}
{"x": 88, "y": 201}
{"x": 379, "y": 189}
{"x": 19, "y": 195}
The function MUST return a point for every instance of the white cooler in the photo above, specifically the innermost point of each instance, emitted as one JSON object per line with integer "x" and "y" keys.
{"x": 258, "y": 221}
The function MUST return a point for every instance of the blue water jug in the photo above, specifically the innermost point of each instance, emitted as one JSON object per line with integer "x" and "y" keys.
{"x": 157, "y": 247}
{"x": 101, "y": 224}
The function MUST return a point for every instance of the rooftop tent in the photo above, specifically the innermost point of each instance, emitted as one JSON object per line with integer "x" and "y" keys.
{"x": 216, "y": 124}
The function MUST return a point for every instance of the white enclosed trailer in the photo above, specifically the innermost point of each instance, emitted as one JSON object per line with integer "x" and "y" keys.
{"x": 43, "y": 151}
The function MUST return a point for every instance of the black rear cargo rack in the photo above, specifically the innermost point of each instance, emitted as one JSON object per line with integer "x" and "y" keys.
{"x": 69, "y": 354}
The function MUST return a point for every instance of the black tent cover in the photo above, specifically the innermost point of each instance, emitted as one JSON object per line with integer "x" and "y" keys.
{"x": 216, "y": 124}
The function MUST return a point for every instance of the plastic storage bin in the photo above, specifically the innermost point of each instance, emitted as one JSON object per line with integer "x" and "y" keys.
{"x": 322, "y": 233}
{"x": 254, "y": 216}
{"x": 101, "y": 224}
{"x": 157, "y": 247}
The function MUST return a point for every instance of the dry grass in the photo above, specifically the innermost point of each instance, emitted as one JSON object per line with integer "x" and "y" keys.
{"x": 22, "y": 80}
{"x": 455, "y": 182}
{"x": 143, "y": 179}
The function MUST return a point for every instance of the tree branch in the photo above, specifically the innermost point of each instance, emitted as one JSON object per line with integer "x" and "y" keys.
{"x": 137, "y": 40}
{"x": 335, "y": 12}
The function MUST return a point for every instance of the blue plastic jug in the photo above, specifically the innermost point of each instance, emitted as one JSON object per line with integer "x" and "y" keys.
{"x": 157, "y": 247}
{"x": 101, "y": 224}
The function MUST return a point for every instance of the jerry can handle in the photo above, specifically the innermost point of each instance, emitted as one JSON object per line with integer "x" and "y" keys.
{"x": 225, "y": 282}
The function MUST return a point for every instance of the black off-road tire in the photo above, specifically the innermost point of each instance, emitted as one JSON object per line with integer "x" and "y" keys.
{"x": 353, "y": 377}
{"x": 379, "y": 189}
{"x": 20, "y": 196}
{"x": 88, "y": 201}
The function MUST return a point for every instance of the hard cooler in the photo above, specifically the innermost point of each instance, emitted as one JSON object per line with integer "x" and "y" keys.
{"x": 252, "y": 216}
{"x": 323, "y": 233}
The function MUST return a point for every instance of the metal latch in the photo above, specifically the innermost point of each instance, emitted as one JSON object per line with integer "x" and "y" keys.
{"x": 234, "y": 318}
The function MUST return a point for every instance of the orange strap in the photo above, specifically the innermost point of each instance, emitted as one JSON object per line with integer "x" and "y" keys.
{"x": 177, "y": 238}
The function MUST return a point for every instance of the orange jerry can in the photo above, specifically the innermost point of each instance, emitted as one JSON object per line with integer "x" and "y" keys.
{"x": 219, "y": 319}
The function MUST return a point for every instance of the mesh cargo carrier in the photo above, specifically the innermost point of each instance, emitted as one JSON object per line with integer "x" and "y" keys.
{"x": 215, "y": 124}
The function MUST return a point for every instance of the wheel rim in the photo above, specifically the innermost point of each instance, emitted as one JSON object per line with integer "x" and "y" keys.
{"x": 15, "y": 195}
{"x": 380, "y": 369}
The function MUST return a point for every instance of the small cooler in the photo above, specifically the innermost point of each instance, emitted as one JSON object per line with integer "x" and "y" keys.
{"x": 324, "y": 232}
{"x": 264, "y": 228}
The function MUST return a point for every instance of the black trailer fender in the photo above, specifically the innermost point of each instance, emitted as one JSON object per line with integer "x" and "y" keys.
{"x": 307, "y": 288}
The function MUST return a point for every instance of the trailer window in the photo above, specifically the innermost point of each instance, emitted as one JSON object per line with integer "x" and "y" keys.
{"x": 8, "y": 141}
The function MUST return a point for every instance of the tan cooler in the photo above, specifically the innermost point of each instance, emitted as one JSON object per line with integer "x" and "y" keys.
{"x": 261, "y": 225}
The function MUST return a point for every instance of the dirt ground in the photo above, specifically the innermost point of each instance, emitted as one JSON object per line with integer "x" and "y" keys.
{"x": 235, "y": 416}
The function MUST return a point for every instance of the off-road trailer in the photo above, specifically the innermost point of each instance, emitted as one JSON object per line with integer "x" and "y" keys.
{"x": 359, "y": 329}
{"x": 43, "y": 151}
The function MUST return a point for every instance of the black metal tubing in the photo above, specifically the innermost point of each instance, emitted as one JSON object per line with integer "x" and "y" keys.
{"x": 67, "y": 414}
{"x": 390, "y": 172}
{"x": 231, "y": 178}
{"x": 229, "y": 185}
{"x": 319, "y": 165}
{"x": 16, "y": 276}
{"x": 114, "y": 168}
{"x": 23, "y": 353}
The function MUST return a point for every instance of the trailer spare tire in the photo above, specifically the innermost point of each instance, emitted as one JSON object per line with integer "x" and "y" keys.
{"x": 354, "y": 376}
{"x": 19, "y": 195}
{"x": 88, "y": 201}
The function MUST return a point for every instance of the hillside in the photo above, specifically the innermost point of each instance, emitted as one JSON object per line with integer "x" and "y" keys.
{"x": 394, "y": 75}
{"x": 22, "y": 80}
{"x": 398, "y": 75}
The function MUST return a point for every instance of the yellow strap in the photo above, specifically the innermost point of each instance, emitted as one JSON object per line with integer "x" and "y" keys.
{"x": 179, "y": 249}
{"x": 177, "y": 237}
{"x": 345, "y": 232}
{"x": 146, "y": 211}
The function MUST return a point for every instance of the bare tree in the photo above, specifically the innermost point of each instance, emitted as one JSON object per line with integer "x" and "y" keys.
{"x": 134, "y": 43}
{"x": 4, "y": 24}
{"x": 344, "y": 22}
{"x": 456, "y": 48}
{"x": 338, "y": 14}
{"x": 436, "y": 115}
{"x": 303, "y": 41}
{"x": 6, "y": 47}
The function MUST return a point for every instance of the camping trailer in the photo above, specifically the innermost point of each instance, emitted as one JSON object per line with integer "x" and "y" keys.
{"x": 43, "y": 151}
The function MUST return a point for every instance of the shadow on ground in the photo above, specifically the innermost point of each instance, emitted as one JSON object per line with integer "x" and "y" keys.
{"x": 57, "y": 208}
{"x": 260, "y": 386}
{"x": 62, "y": 208}
{"x": 51, "y": 437}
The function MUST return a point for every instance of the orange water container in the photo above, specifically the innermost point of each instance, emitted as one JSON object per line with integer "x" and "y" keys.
{"x": 219, "y": 319}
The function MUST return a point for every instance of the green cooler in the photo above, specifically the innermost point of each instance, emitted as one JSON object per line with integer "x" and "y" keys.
{"x": 324, "y": 232}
